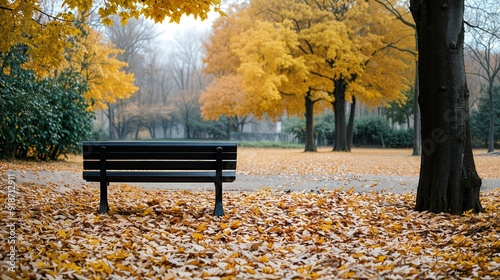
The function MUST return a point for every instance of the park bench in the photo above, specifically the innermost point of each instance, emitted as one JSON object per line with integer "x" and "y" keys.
{"x": 158, "y": 162}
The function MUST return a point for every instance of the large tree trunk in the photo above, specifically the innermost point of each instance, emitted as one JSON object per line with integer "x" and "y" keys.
{"x": 340, "y": 141}
{"x": 309, "y": 103}
{"x": 448, "y": 178}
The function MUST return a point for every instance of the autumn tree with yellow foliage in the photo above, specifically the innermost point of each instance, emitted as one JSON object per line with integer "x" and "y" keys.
{"x": 354, "y": 46}
{"x": 221, "y": 97}
{"x": 96, "y": 59}
{"x": 268, "y": 83}
{"x": 293, "y": 54}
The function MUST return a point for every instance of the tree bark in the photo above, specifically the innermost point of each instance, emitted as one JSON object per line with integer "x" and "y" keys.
{"x": 416, "y": 118}
{"x": 448, "y": 179}
{"x": 340, "y": 141}
{"x": 309, "y": 104}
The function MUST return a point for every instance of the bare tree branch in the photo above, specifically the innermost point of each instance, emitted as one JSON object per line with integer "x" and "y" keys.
{"x": 393, "y": 10}
{"x": 482, "y": 29}
{"x": 6, "y": 8}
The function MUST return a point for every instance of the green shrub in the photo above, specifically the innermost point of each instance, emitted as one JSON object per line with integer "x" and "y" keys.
{"x": 297, "y": 127}
{"x": 400, "y": 138}
{"x": 371, "y": 131}
{"x": 324, "y": 128}
{"x": 375, "y": 131}
{"x": 269, "y": 144}
{"x": 40, "y": 118}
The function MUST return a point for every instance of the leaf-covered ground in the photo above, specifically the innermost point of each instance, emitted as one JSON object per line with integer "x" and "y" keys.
{"x": 265, "y": 234}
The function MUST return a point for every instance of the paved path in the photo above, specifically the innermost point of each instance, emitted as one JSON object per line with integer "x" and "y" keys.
{"x": 362, "y": 183}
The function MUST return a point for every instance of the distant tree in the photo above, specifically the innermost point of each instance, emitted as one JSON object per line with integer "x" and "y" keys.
{"x": 400, "y": 12}
{"x": 186, "y": 70}
{"x": 480, "y": 118}
{"x": 400, "y": 111}
{"x": 220, "y": 98}
{"x": 133, "y": 39}
{"x": 484, "y": 28}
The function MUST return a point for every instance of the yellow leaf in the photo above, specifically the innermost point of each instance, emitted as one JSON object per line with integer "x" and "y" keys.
{"x": 100, "y": 266}
{"x": 263, "y": 258}
{"x": 197, "y": 236}
{"x": 416, "y": 249}
{"x": 236, "y": 224}
{"x": 62, "y": 233}
{"x": 72, "y": 266}
{"x": 267, "y": 269}
{"x": 201, "y": 227}
{"x": 326, "y": 227}
{"x": 357, "y": 255}
{"x": 319, "y": 240}
{"x": 250, "y": 270}
{"x": 118, "y": 255}
{"x": 373, "y": 230}
{"x": 397, "y": 227}
{"x": 147, "y": 211}
{"x": 63, "y": 257}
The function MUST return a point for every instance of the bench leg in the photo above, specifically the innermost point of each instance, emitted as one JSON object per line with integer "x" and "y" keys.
{"x": 219, "y": 210}
{"x": 103, "y": 207}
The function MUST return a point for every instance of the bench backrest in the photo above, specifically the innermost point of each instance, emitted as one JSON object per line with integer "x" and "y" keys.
{"x": 149, "y": 155}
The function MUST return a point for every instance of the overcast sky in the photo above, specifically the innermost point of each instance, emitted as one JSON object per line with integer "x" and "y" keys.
{"x": 170, "y": 30}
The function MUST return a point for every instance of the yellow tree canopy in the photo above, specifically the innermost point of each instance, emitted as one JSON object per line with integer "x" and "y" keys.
{"x": 353, "y": 41}
{"x": 222, "y": 97}
{"x": 224, "y": 94}
{"x": 268, "y": 67}
{"x": 23, "y": 21}
{"x": 287, "y": 48}
{"x": 389, "y": 66}
{"x": 46, "y": 32}
{"x": 257, "y": 55}
{"x": 96, "y": 59}
{"x": 219, "y": 57}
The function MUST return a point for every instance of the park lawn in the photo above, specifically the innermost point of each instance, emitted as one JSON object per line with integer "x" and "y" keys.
{"x": 272, "y": 161}
{"x": 326, "y": 234}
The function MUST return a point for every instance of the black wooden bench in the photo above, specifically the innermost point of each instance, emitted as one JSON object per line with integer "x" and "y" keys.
{"x": 157, "y": 162}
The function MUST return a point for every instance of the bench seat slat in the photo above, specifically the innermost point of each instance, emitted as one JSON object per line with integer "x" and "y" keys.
{"x": 159, "y": 165}
{"x": 157, "y": 147}
{"x": 159, "y": 155}
{"x": 159, "y": 177}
